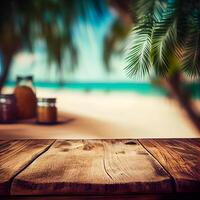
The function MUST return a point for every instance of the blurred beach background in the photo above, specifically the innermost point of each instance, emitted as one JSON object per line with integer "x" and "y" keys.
{"x": 96, "y": 99}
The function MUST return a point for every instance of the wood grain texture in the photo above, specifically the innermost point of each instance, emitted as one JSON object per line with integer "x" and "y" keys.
{"x": 93, "y": 167}
{"x": 15, "y": 155}
{"x": 181, "y": 158}
{"x": 170, "y": 196}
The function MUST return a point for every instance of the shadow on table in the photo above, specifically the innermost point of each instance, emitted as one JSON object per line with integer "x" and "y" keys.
{"x": 62, "y": 119}
{"x": 70, "y": 126}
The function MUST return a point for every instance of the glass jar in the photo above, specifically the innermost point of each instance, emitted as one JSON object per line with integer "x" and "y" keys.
{"x": 25, "y": 97}
{"x": 26, "y": 81}
{"x": 46, "y": 111}
{"x": 8, "y": 109}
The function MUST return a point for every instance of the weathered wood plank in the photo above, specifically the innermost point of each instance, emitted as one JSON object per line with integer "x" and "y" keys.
{"x": 15, "y": 155}
{"x": 181, "y": 158}
{"x": 93, "y": 167}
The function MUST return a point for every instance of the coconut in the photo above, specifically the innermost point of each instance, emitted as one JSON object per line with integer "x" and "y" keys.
{"x": 26, "y": 102}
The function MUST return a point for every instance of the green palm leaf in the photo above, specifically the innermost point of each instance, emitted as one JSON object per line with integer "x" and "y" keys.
{"x": 138, "y": 58}
{"x": 164, "y": 40}
{"x": 139, "y": 50}
{"x": 153, "y": 7}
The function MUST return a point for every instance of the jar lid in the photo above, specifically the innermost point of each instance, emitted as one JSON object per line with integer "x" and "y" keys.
{"x": 48, "y": 100}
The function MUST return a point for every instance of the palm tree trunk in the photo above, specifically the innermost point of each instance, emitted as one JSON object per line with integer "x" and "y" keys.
{"x": 173, "y": 86}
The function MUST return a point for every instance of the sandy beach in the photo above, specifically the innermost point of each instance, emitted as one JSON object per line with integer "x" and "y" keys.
{"x": 98, "y": 114}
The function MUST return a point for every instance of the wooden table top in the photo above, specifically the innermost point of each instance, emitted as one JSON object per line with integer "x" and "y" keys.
{"x": 99, "y": 167}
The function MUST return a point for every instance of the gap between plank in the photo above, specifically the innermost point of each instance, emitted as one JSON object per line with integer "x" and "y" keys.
{"x": 28, "y": 164}
{"x": 171, "y": 177}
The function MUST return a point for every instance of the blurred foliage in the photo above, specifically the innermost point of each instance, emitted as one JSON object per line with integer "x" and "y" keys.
{"x": 116, "y": 36}
{"x": 22, "y": 22}
{"x": 114, "y": 40}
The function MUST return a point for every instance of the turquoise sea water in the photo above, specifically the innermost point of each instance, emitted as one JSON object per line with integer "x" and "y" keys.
{"x": 141, "y": 88}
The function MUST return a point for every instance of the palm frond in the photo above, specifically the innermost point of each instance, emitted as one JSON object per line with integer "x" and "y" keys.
{"x": 145, "y": 7}
{"x": 138, "y": 58}
{"x": 164, "y": 40}
{"x": 139, "y": 50}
